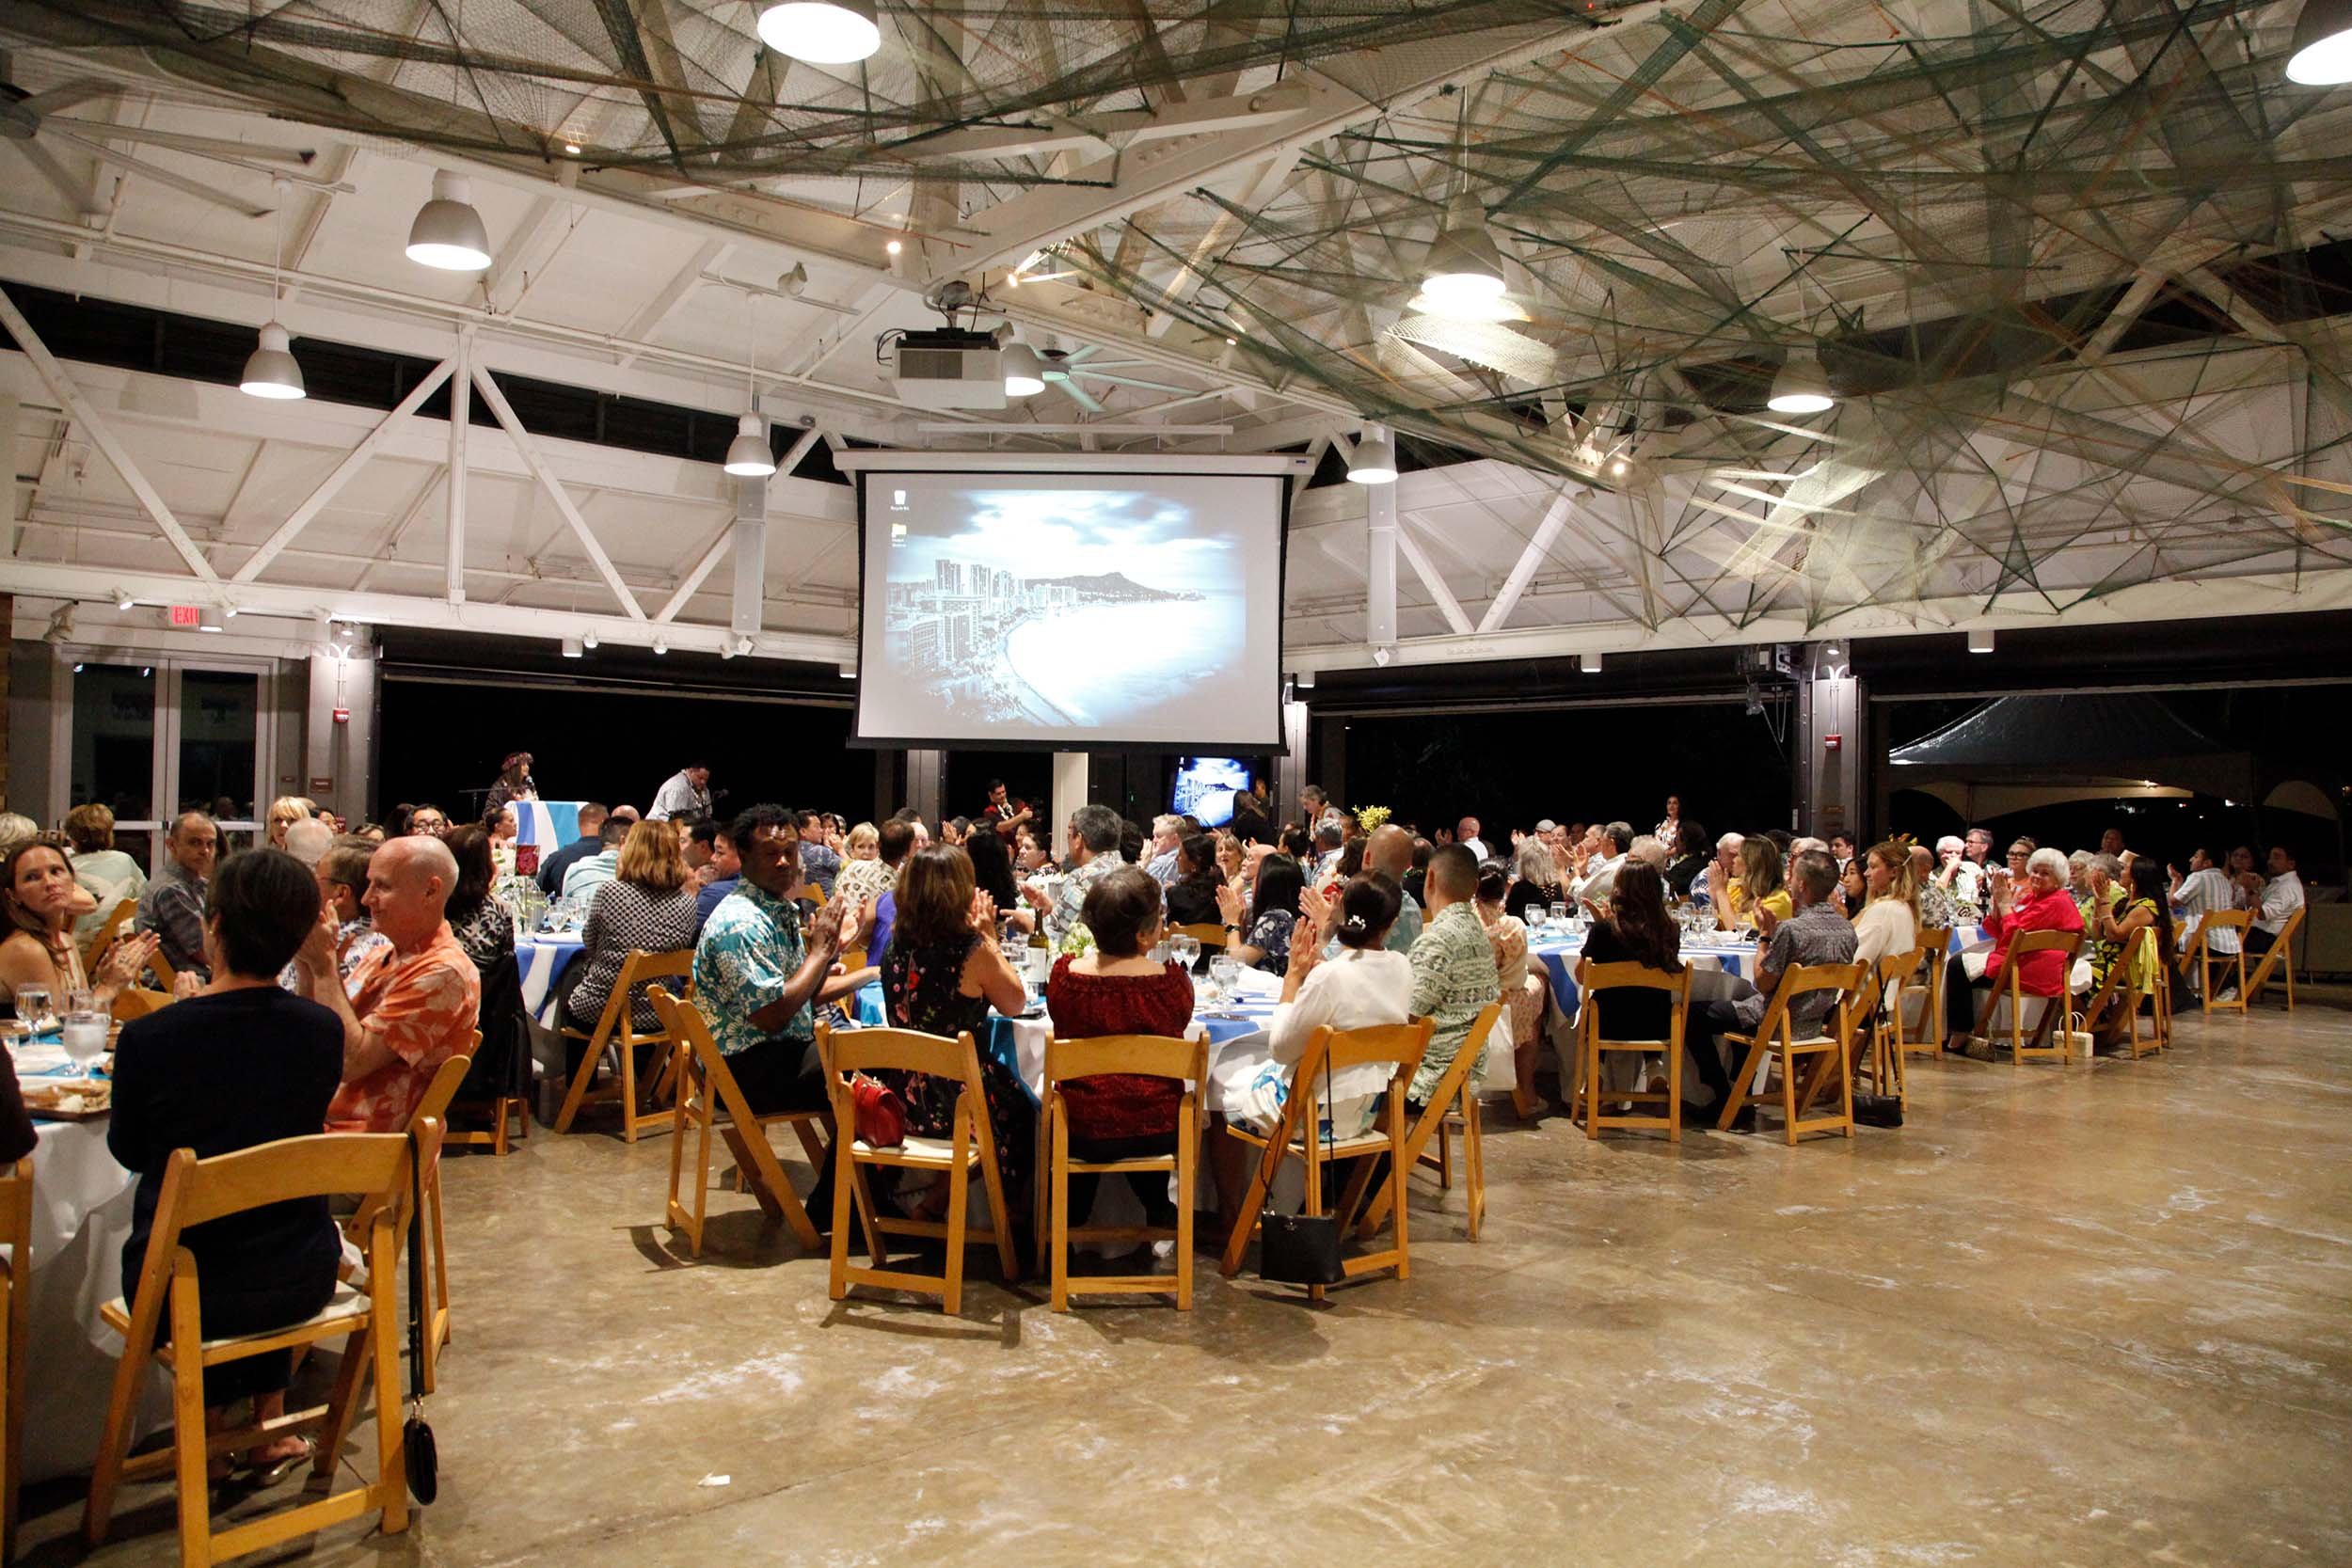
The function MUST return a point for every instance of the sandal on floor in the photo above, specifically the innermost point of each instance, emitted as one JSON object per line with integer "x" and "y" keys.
{"x": 278, "y": 1470}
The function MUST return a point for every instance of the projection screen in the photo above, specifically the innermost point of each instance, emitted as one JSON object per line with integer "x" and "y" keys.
{"x": 1071, "y": 609}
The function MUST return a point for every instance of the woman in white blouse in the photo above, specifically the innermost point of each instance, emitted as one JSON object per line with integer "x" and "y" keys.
{"x": 1889, "y": 921}
{"x": 1365, "y": 985}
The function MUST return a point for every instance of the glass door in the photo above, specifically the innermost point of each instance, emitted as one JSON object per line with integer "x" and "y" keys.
{"x": 151, "y": 740}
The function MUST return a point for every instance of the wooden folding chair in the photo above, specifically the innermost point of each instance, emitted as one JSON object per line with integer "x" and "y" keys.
{"x": 2160, "y": 1001}
{"x": 617, "y": 1027}
{"x": 972, "y": 1143}
{"x": 706, "y": 1090}
{"x": 2115, "y": 990}
{"x": 1878, "y": 1022}
{"x": 1593, "y": 1047}
{"x": 2200, "y": 957}
{"x": 1141, "y": 1055}
{"x": 1925, "y": 1037}
{"x": 167, "y": 979}
{"x": 16, "y": 1297}
{"x": 2281, "y": 956}
{"x": 1402, "y": 1044}
{"x": 1208, "y": 933}
{"x": 1453, "y": 1104}
{"x": 103, "y": 938}
{"x": 1829, "y": 1054}
{"x": 373, "y": 1165}
{"x": 2011, "y": 991}
{"x": 136, "y": 1002}
{"x": 434, "y": 1107}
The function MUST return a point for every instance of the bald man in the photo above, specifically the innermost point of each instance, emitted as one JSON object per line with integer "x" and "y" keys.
{"x": 408, "y": 1007}
{"x": 1391, "y": 849}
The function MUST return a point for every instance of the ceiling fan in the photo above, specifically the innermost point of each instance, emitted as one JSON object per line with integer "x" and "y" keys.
{"x": 1066, "y": 368}
{"x": 31, "y": 121}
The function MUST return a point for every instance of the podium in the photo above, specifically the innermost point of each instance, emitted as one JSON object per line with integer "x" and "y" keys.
{"x": 549, "y": 825}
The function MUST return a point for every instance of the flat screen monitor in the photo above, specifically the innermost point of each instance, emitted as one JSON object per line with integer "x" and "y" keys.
{"x": 1206, "y": 788}
{"x": 1071, "y": 611}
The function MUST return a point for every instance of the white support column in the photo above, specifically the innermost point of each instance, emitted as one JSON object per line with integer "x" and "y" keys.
{"x": 53, "y": 375}
{"x": 1379, "y": 562}
{"x": 1070, "y": 793}
{"x": 354, "y": 460}
{"x": 749, "y": 538}
{"x": 530, "y": 453}
{"x": 460, "y": 416}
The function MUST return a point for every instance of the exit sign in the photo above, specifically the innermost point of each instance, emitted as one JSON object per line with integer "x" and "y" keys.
{"x": 186, "y": 615}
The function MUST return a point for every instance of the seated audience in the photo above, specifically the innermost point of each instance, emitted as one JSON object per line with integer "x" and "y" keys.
{"x": 819, "y": 862}
{"x": 308, "y": 841}
{"x": 484, "y": 927}
{"x": 1192, "y": 896}
{"x": 2205, "y": 890}
{"x": 1521, "y": 1009}
{"x": 590, "y": 841}
{"x": 1367, "y": 985}
{"x": 284, "y": 812}
{"x": 943, "y": 974}
{"x": 1710, "y": 888}
{"x": 863, "y": 875}
{"x": 1117, "y": 989}
{"x": 104, "y": 872}
{"x": 343, "y": 880}
{"x": 760, "y": 968}
{"x": 648, "y": 905}
{"x": 1937, "y": 908}
{"x": 720, "y": 876}
{"x": 173, "y": 905}
{"x": 1600, "y": 872}
{"x": 1260, "y": 935}
{"x": 1389, "y": 851}
{"x": 1692, "y": 854}
{"x": 1636, "y": 929}
{"x": 1813, "y": 934}
{"x": 898, "y": 839}
{"x": 1232, "y": 859}
{"x": 40, "y": 900}
{"x": 1094, "y": 835}
{"x": 592, "y": 872}
{"x": 2273, "y": 902}
{"x": 991, "y": 873}
{"x": 2043, "y": 905}
{"x": 1168, "y": 834}
{"x": 1454, "y": 969}
{"x": 408, "y": 1008}
{"x": 2142, "y": 906}
{"x": 1330, "y": 839}
{"x": 1841, "y": 849}
{"x": 239, "y": 1064}
{"x": 429, "y": 820}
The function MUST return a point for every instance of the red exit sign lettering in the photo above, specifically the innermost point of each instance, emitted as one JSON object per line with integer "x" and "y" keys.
{"x": 186, "y": 615}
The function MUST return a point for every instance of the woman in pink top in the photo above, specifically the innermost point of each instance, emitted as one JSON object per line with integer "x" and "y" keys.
{"x": 2044, "y": 904}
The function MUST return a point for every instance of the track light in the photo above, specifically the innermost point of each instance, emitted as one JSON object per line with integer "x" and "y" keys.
{"x": 123, "y": 599}
{"x": 60, "y": 627}
{"x": 1381, "y": 656}
{"x": 822, "y": 32}
{"x": 448, "y": 233}
{"x": 270, "y": 371}
{"x": 1979, "y": 641}
{"x": 794, "y": 282}
{"x": 849, "y": 672}
{"x": 659, "y": 647}
{"x": 1374, "y": 460}
{"x": 211, "y": 621}
{"x": 1464, "y": 269}
{"x": 1024, "y": 377}
{"x": 1801, "y": 387}
{"x": 588, "y": 640}
{"x": 2322, "y": 54}
{"x": 748, "y": 454}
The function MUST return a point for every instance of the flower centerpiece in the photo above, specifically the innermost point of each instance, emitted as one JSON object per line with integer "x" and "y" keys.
{"x": 1370, "y": 817}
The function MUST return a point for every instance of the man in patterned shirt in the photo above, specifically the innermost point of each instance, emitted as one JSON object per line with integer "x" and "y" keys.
{"x": 1093, "y": 855}
{"x": 173, "y": 904}
{"x": 1453, "y": 967}
{"x": 408, "y": 1007}
{"x": 757, "y": 973}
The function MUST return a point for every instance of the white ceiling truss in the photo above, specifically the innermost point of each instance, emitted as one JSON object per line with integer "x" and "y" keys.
{"x": 2079, "y": 268}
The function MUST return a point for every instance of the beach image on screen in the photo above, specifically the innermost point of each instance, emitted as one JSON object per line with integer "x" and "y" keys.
{"x": 1138, "y": 608}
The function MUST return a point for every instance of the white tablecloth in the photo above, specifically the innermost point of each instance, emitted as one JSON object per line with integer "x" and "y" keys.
{"x": 81, "y": 1218}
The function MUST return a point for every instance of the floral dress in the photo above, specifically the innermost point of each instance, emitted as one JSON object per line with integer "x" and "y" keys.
{"x": 1271, "y": 934}
{"x": 921, "y": 991}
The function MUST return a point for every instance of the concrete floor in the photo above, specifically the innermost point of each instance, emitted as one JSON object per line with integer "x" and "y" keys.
{"x": 2095, "y": 1315}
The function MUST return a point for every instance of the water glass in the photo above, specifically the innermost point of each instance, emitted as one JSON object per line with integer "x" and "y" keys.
{"x": 1225, "y": 972}
{"x": 32, "y": 1006}
{"x": 1560, "y": 914}
{"x": 86, "y": 1037}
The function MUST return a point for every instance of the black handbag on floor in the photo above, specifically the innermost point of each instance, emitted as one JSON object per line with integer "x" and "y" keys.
{"x": 1302, "y": 1249}
{"x": 1878, "y": 1110}
{"x": 425, "y": 1460}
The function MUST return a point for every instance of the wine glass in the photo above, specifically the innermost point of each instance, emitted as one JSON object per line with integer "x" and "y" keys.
{"x": 32, "y": 1006}
{"x": 1185, "y": 950}
{"x": 1560, "y": 913}
{"x": 85, "y": 1034}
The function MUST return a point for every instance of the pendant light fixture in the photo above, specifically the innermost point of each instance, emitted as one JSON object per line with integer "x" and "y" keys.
{"x": 448, "y": 233}
{"x": 1801, "y": 387}
{"x": 748, "y": 454}
{"x": 2322, "y": 56}
{"x": 270, "y": 371}
{"x": 1024, "y": 375}
{"x": 822, "y": 32}
{"x": 1374, "y": 459}
{"x": 1464, "y": 269}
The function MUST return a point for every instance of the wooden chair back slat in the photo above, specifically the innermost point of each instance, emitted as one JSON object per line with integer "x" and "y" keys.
{"x": 864, "y": 1050}
{"x": 1137, "y": 1055}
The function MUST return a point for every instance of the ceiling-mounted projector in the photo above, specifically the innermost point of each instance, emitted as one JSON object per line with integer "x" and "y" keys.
{"x": 950, "y": 367}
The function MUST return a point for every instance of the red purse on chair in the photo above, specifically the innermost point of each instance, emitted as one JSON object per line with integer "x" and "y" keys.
{"x": 882, "y": 1116}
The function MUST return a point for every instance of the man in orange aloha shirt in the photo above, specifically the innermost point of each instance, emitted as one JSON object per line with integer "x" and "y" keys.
{"x": 409, "y": 1006}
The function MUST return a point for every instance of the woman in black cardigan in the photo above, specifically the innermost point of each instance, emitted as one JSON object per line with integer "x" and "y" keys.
{"x": 242, "y": 1063}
